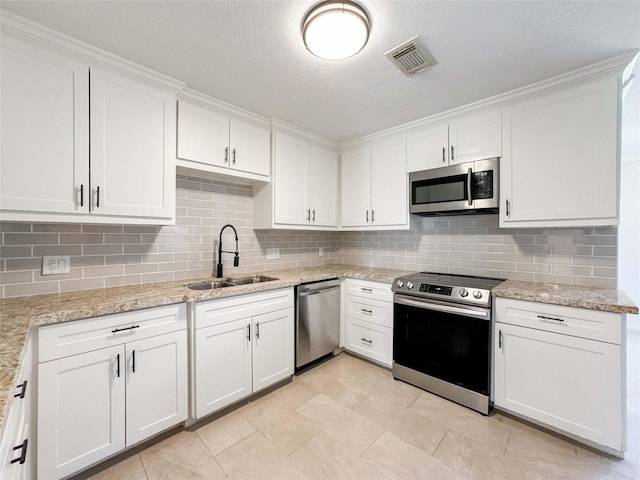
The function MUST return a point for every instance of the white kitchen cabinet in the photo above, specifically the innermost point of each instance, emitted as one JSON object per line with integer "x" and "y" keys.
{"x": 368, "y": 320}
{"x": 212, "y": 140}
{"x": 106, "y": 142}
{"x": 374, "y": 185}
{"x": 92, "y": 403}
{"x": 242, "y": 345}
{"x": 18, "y": 441}
{"x": 466, "y": 138}
{"x": 560, "y": 165}
{"x": 561, "y": 367}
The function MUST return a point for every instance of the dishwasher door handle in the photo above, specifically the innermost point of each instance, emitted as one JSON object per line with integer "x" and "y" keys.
{"x": 308, "y": 292}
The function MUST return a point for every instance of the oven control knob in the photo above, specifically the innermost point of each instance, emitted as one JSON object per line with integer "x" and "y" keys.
{"x": 400, "y": 283}
{"x": 463, "y": 292}
{"x": 409, "y": 285}
{"x": 477, "y": 294}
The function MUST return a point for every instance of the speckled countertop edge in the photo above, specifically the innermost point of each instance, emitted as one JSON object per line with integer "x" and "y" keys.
{"x": 591, "y": 298}
{"x": 19, "y": 315}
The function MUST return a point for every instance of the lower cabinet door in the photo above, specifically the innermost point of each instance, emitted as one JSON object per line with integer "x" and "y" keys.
{"x": 370, "y": 340}
{"x": 223, "y": 365}
{"x": 156, "y": 385}
{"x": 273, "y": 348}
{"x": 570, "y": 383}
{"x": 81, "y": 411}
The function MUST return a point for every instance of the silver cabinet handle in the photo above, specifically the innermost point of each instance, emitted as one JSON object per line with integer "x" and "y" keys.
{"x": 469, "y": 192}
{"x": 367, "y": 216}
{"x": 368, "y": 290}
{"x": 248, "y": 332}
{"x": 555, "y": 319}
{"x": 308, "y": 215}
{"x": 226, "y": 154}
{"x": 452, "y": 157}
{"x": 373, "y": 215}
{"x": 233, "y": 156}
{"x": 444, "y": 152}
{"x": 257, "y": 329}
{"x": 367, "y": 341}
{"x": 314, "y": 215}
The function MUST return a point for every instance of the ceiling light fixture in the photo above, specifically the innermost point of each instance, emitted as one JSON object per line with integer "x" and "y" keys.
{"x": 335, "y": 30}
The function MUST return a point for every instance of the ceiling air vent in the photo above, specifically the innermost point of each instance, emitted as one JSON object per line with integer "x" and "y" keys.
{"x": 411, "y": 57}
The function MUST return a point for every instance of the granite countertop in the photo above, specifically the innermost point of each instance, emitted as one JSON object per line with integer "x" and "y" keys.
{"x": 18, "y": 315}
{"x": 581, "y": 297}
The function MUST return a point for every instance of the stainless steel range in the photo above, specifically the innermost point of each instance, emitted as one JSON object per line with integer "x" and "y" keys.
{"x": 442, "y": 335}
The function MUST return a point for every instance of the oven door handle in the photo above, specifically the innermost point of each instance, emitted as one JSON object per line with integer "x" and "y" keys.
{"x": 467, "y": 312}
{"x": 469, "y": 186}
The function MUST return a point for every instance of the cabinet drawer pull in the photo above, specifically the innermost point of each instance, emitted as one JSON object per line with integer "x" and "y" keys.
{"x": 313, "y": 216}
{"x": 368, "y": 290}
{"x": 233, "y": 156}
{"x": 507, "y": 207}
{"x": 257, "y": 329}
{"x": 98, "y": 197}
{"x": 499, "y": 338}
{"x": 133, "y": 362}
{"x": 23, "y": 389}
{"x": 367, "y": 341}
{"x": 444, "y": 150}
{"x": 226, "y": 154}
{"x": 248, "y": 332}
{"x": 125, "y": 329}
{"x": 23, "y": 453}
{"x": 308, "y": 214}
{"x": 81, "y": 195}
{"x": 452, "y": 156}
{"x": 367, "y": 216}
{"x": 542, "y": 317}
{"x": 373, "y": 216}
{"x": 118, "y": 365}
{"x": 366, "y": 311}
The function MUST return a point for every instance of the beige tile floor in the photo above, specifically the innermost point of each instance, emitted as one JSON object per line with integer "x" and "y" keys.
{"x": 348, "y": 419}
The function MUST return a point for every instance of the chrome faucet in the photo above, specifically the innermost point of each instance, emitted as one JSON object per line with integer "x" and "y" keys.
{"x": 236, "y": 258}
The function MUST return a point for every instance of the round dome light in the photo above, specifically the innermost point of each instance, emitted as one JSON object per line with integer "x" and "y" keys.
{"x": 335, "y": 30}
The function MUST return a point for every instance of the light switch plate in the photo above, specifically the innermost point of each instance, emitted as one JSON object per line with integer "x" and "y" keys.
{"x": 54, "y": 265}
{"x": 273, "y": 253}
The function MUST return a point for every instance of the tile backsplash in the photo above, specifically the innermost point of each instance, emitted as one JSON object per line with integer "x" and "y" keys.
{"x": 109, "y": 255}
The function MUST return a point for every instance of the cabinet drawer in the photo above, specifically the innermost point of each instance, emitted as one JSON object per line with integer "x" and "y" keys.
{"x": 577, "y": 322}
{"x": 71, "y": 338}
{"x": 369, "y": 310}
{"x": 216, "y": 312}
{"x": 368, "y": 289}
{"x": 370, "y": 340}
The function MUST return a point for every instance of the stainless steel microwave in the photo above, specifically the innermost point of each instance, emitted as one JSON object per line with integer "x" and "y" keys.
{"x": 458, "y": 189}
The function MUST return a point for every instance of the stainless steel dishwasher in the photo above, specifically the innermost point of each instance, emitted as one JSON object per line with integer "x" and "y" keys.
{"x": 317, "y": 320}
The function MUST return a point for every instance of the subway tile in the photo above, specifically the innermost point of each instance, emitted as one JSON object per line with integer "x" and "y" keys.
{"x": 57, "y": 227}
{"x": 22, "y": 289}
{"x": 605, "y": 272}
{"x": 595, "y": 282}
{"x": 103, "y": 271}
{"x": 81, "y": 238}
{"x": 533, "y": 267}
{"x": 608, "y": 240}
{"x": 570, "y": 270}
{"x": 16, "y": 277}
{"x": 571, "y": 250}
{"x": 548, "y": 278}
{"x": 140, "y": 229}
{"x": 173, "y": 266}
{"x": 81, "y": 284}
{"x": 15, "y": 227}
{"x": 102, "y": 229}
{"x": 122, "y": 259}
{"x": 87, "y": 261}
{"x": 157, "y": 277}
{"x": 595, "y": 261}
{"x": 30, "y": 238}
{"x": 143, "y": 248}
{"x": 102, "y": 249}
{"x": 122, "y": 280}
{"x": 605, "y": 251}
{"x": 122, "y": 238}
{"x": 141, "y": 268}
{"x": 13, "y": 264}
{"x": 41, "y": 250}
{"x": 17, "y": 251}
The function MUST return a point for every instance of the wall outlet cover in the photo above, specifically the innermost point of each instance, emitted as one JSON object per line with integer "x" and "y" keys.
{"x": 54, "y": 265}
{"x": 273, "y": 253}
{"x": 321, "y": 251}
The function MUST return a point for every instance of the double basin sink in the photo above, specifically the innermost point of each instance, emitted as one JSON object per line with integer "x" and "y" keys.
{"x": 229, "y": 282}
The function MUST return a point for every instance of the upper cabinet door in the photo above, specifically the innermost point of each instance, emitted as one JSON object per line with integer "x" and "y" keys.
{"x": 203, "y": 135}
{"x": 560, "y": 163}
{"x": 323, "y": 186}
{"x": 389, "y": 199}
{"x": 428, "y": 147}
{"x": 355, "y": 203}
{"x": 249, "y": 145}
{"x": 132, "y": 147}
{"x": 475, "y": 137}
{"x": 45, "y": 131}
{"x": 291, "y": 170}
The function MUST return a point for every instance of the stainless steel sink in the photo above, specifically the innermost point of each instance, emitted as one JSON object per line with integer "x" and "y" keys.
{"x": 229, "y": 282}
{"x": 209, "y": 285}
{"x": 248, "y": 280}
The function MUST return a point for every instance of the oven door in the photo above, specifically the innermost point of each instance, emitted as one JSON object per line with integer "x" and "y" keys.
{"x": 451, "y": 343}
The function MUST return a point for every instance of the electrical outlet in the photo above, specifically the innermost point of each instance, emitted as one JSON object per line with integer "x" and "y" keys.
{"x": 54, "y": 265}
{"x": 321, "y": 251}
{"x": 273, "y": 253}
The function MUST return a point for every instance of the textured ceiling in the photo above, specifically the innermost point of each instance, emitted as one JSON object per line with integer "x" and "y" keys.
{"x": 250, "y": 53}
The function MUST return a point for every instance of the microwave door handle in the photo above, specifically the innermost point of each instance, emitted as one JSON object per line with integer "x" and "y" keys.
{"x": 469, "y": 189}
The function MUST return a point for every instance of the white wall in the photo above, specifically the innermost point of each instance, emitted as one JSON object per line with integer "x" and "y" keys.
{"x": 629, "y": 230}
